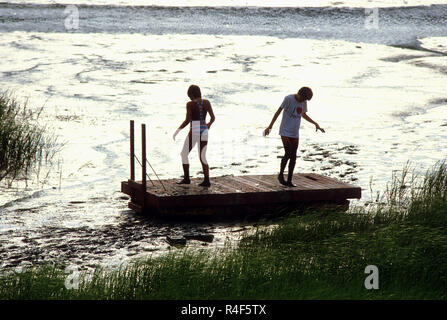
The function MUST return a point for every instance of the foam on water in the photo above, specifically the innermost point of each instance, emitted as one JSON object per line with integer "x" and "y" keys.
{"x": 239, "y": 3}
{"x": 401, "y": 25}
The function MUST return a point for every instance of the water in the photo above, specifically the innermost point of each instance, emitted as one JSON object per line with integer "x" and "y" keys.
{"x": 378, "y": 93}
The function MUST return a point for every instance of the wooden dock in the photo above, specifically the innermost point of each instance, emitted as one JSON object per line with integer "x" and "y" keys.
{"x": 235, "y": 195}
{"x": 229, "y": 195}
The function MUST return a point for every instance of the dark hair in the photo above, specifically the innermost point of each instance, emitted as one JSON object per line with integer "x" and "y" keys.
{"x": 194, "y": 92}
{"x": 306, "y": 93}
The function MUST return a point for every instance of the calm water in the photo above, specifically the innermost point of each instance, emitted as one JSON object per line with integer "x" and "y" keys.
{"x": 380, "y": 94}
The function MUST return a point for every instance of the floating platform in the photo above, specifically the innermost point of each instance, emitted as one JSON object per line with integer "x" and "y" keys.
{"x": 236, "y": 195}
{"x": 229, "y": 195}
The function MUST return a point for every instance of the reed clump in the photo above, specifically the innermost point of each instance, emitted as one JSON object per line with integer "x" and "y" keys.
{"x": 25, "y": 145}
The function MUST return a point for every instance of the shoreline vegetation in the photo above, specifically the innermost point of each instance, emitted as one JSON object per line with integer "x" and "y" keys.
{"x": 25, "y": 145}
{"x": 309, "y": 255}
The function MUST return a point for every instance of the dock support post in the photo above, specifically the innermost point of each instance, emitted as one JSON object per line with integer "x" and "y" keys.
{"x": 132, "y": 150}
{"x": 143, "y": 157}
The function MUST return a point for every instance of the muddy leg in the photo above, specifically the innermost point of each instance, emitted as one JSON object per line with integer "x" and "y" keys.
{"x": 284, "y": 159}
{"x": 205, "y": 166}
{"x": 293, "y": 149}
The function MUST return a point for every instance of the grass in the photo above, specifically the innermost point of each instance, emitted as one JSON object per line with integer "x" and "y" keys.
{"x": 24, "y": 145}
{"x": 320, "y": 255}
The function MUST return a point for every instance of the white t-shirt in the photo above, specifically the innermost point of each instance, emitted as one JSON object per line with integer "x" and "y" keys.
{"x": 291, "y": 116}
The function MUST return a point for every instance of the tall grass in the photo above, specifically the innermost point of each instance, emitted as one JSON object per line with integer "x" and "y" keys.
{"x": 25, "y": 145}
{"x": 316, "y": 255}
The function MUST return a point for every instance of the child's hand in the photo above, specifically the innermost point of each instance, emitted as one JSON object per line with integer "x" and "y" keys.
{"x": 175, "y": 133}
{"x": 317, "y": 127}
{"x": 266, "y": 132}
{"x": 208, "y": 125}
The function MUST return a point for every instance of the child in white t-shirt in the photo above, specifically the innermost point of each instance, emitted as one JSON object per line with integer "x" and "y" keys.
{"x": 295, "y": 107}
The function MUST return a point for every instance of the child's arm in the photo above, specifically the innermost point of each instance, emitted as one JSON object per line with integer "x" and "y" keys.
{"x": 317, "y": 127}
{"x": 210, "y": 110}
{"x": 275, "y": 116}
{"x": 184, "y": 123}
{"x": 187, "y": 119}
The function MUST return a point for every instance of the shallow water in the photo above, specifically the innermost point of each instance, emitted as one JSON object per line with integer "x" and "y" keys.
{"x": 379, "y": 94}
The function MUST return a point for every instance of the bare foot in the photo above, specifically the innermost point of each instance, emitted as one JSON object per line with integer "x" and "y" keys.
{"x": 184, "y": 181}
{"x": 281, "y": 179}
{"x": 205, "y": 183}
{"x": 290, "y": 184}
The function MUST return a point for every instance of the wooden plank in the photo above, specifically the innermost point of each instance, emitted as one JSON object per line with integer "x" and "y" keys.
{"x": 265, "y": 182}
{"x": 320, "y": 181}
{"x": 314, "y": 178}
{"x": 216, "y": 187}
{"x": 332, "y": 182}
{"x": 241, "y": 185}
{"x": 251, "y": 184}
{"x": 302, "y": 183}
{"x": 324, "y": 182}
{"x": 230, "y": 191}
{"x": 273, "y": 179}
{"x": 233, "y": 185}
{"x": 305, "y": 183}
{"x": 226, "y": 186}
{"x": 351, "y": 191}
{"x": 328, "y": 179}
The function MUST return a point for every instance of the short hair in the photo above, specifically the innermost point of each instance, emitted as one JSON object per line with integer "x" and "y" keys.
{"x": 194, "y": 92}
{"x": 306, "y": 93}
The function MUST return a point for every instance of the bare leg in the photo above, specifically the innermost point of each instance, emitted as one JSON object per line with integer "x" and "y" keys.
{"x": 293, "y": 148}
{"x": 205, "y": 166}
{"x": 285, "y": 158}
{"x": 186, "y": 179}
{"x": 187, "y": 146}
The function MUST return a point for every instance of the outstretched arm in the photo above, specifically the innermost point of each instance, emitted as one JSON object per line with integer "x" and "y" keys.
{"x": 184, "y": 123}
{"x": 275, "y": 116}
{"x": 317, "y": 127}
{"x": 210, "y": 110}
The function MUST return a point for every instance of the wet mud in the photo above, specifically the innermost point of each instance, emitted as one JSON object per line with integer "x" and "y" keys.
{"x": 134, "y": 237}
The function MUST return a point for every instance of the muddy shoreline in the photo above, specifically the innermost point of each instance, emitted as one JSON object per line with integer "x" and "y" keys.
{"x": 134, "y": 237}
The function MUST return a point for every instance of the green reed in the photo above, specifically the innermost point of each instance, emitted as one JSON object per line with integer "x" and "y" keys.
{"x": 25, "y": 145}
